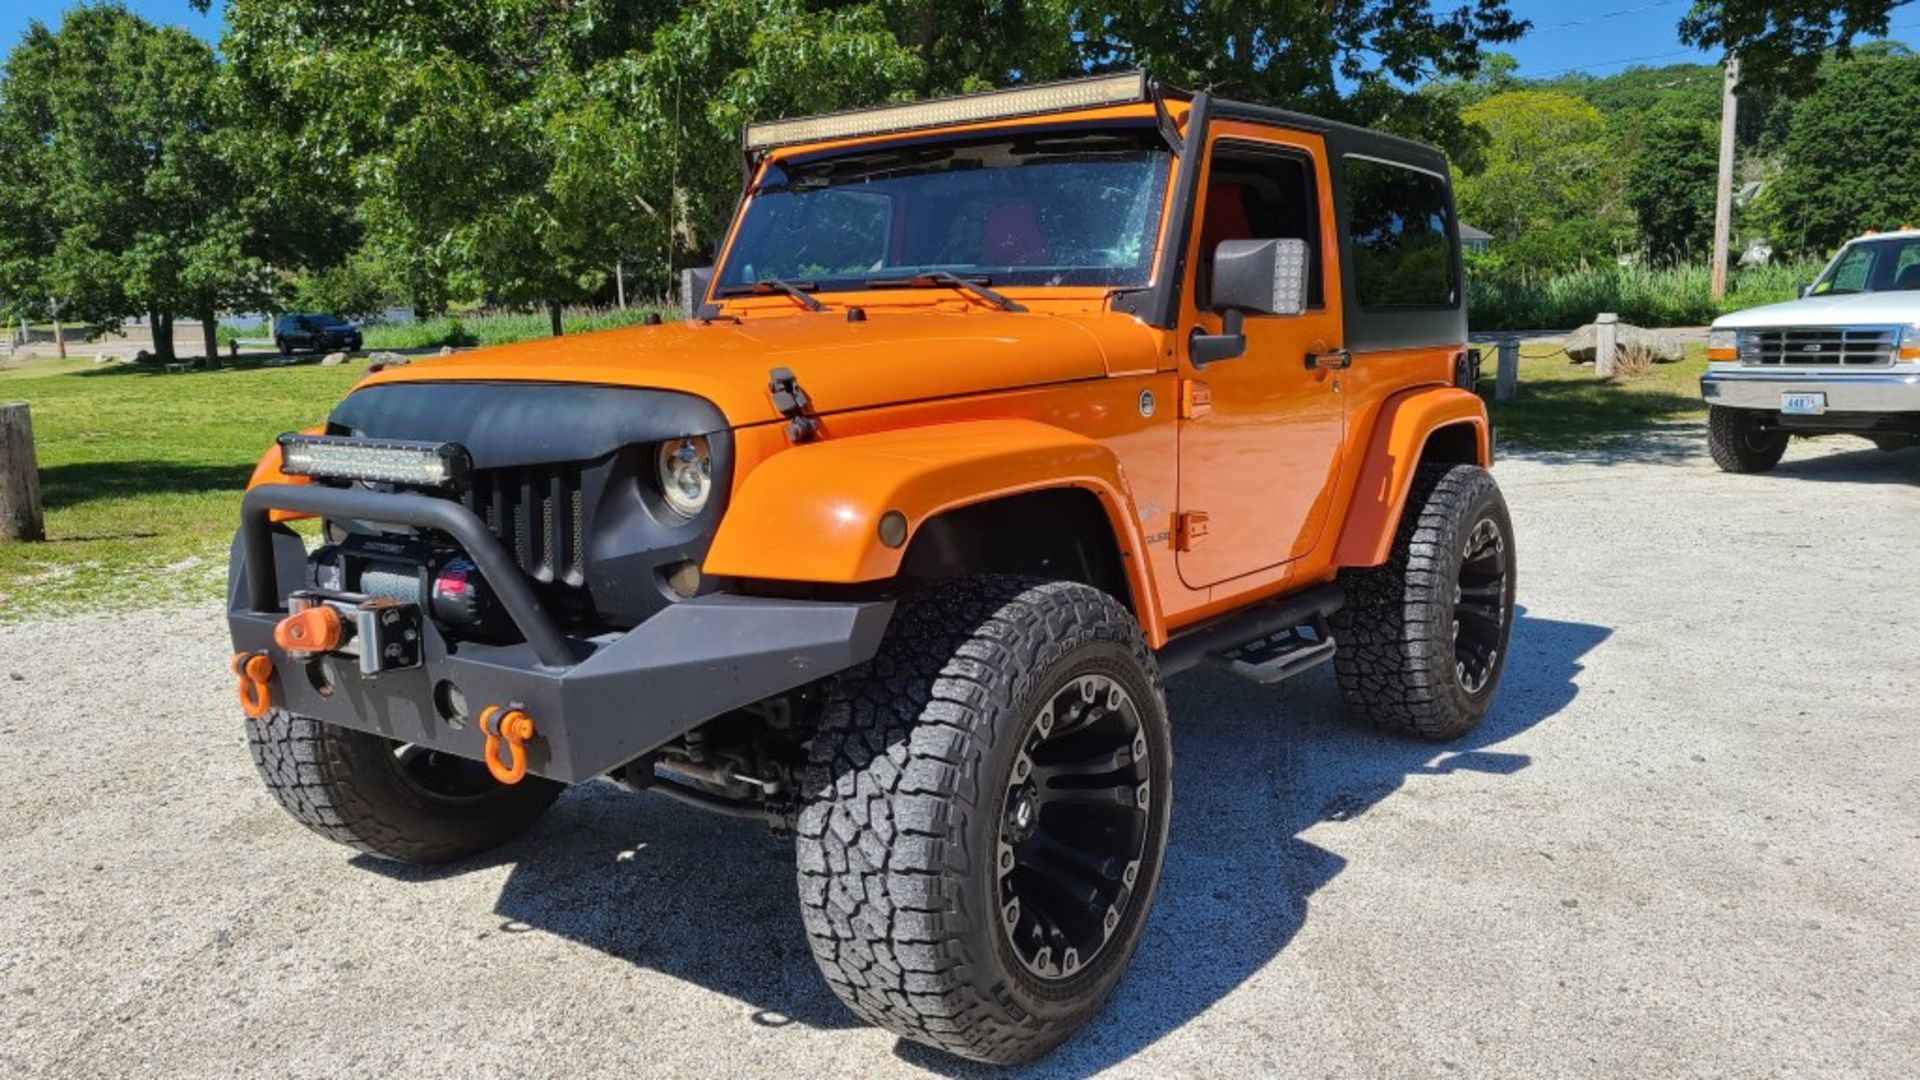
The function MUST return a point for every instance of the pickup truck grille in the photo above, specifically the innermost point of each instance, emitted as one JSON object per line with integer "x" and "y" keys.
{"x": 1820, "y": 346}
{"x": 538, "y": 513}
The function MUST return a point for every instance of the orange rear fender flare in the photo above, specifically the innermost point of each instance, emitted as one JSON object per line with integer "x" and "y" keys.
{"x": 812, "y": 513}
{"x": 1402, "y": 431}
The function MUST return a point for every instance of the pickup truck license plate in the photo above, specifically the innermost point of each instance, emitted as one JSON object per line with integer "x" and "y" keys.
{"x": 1803, "y": 404}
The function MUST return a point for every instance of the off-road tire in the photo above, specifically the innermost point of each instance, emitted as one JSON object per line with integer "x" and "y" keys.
{"x": 905, "y": 788}
{"x": 1395, "y": 656}
{"x": 1737, "y": 446}
{"x": 349, "y": 787}
{"x": 285, "y": 349}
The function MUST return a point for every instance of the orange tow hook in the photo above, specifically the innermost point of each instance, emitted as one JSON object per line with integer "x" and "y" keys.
{"x": 514, "y": 728}
{"x": 253, "y": 670}
{"x": 310, "y": 630}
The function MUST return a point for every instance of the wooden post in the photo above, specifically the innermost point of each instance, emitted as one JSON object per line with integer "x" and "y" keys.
{"x": 19, "y": 476}
{"x": 620, "y": 282}
{"x": 1723, "y": 194}
{"x": 1606, "y": 345}
{"x": 1507, "y": 378}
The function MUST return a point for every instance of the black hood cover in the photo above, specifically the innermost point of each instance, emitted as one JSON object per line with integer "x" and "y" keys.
{"x": 514, "y": 424}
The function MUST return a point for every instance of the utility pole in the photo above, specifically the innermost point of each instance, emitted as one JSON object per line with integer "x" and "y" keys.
{"x": 1723, "y": 196}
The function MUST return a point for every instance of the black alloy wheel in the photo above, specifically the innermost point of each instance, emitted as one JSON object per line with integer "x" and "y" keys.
{"x": 1073, "y": 827}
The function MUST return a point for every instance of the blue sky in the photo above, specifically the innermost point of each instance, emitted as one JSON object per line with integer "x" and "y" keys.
{"x": 1593, "y": 35}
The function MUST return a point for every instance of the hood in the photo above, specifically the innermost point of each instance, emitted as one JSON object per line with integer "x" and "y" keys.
{"x": 891, "y": 358}
{"x": 1853, "y": 309}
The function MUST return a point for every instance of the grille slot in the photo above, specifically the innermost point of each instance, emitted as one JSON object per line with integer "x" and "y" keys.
{"x": 537, "y": 513}
{"x": 1821, "y": 346}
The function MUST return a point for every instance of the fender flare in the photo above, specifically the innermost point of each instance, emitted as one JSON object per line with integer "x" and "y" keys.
{"x": 1404, "y": 425}
{"x": 811, "y": 513}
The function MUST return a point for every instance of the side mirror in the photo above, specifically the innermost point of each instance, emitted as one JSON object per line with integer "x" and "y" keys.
{"x": 693, "y": 289}
{"x": 1266, "y": 277}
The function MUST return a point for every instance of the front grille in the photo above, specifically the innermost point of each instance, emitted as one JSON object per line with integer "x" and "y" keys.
{"x": 538, "y": 513}
{"x": 1820, "y": 346}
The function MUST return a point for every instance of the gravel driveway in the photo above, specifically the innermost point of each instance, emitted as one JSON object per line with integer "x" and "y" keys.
{"x": 1685, "y": 842}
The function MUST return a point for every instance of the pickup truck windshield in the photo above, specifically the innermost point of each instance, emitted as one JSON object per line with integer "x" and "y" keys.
{"x": 1891, "y": 265}
{"x": 1053, "y": 208}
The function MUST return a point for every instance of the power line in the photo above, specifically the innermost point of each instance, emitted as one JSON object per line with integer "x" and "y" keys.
{"x": 1604, "y": 16}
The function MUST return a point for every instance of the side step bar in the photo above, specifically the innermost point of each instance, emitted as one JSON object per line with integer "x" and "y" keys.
{"x": 1273, "y": 641}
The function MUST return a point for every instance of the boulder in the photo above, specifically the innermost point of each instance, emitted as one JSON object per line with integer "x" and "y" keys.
{"x": 1663, "y": 348}
{"x": 333, "y": 359}
{"x": 446, "y": 350}
{"x": 388, "y": 359}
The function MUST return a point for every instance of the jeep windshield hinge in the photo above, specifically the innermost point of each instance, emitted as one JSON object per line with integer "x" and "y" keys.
{"x": 794, "y": 404}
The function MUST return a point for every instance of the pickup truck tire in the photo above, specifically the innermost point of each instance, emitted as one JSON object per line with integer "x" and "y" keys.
{"x": 1422, "y": 639}
{"x": 373, "y": 795}
{"x": 937, "y": 872}
{"x": 1737, "y": 443}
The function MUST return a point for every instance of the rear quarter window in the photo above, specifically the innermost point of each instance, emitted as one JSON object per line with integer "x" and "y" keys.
{"x": 1400, "y": 236}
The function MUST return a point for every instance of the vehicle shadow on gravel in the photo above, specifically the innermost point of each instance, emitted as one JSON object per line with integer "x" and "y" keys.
{"x": 710, "y": 900}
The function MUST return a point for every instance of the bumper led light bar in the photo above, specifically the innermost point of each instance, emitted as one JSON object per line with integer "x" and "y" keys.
{"x": 391, "y": 461}
{"x": 969, "y": 108}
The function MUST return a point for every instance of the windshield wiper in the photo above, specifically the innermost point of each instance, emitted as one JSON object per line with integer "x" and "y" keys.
{"x": 929, "y": 279}
{"x": 769, "y": 286}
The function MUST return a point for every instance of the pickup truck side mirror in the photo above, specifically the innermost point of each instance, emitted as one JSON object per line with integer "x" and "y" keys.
{"x": 1266, "y": 277}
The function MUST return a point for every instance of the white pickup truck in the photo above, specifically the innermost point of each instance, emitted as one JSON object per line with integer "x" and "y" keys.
{"x": 1844, "y": 358}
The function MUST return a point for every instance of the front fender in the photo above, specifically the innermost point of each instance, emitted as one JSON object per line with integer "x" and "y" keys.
{"x": 812, "y": 513}
{"x": 1405, "y": 424}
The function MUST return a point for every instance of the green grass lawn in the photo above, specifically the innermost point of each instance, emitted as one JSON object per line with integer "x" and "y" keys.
{"x": 1561, "y": 406}
{"x": 141, "y": 474}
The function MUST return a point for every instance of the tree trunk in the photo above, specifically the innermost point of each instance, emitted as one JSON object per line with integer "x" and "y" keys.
{"x": 162, "y": 324}
{"x": 210, "y": 332}
{"x": 19, "y": 476}
{"x": 59, "y": 338}
{"x": 553, "y": 315}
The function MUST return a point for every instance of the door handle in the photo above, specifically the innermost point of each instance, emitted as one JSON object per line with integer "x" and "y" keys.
{"x": 1329, "y": 361}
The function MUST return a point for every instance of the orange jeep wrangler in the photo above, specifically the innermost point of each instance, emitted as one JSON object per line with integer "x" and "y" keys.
{"x": 996, "y": 411}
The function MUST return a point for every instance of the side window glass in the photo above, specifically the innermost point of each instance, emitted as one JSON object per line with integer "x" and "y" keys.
{"x": 1853, "y": 274}
{"x": 1255, "y": 194}
{"x": 1400, "y": 236}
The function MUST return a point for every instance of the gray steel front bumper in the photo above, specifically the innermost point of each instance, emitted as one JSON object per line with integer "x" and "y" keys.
{"x": 615, "y": 697}
{"x": 1847, "y": 392}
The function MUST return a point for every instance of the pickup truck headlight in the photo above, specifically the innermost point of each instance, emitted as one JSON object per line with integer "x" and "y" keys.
{"x": 1910, "y": 343}
{"x": 686, "y": 474}
{"x": 1723, "y": 345}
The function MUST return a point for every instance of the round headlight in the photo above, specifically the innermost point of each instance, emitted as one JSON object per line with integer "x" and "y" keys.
{"x": 686, "y": 474}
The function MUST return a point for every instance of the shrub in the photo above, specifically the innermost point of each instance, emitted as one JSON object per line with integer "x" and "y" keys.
{"x": 1643, "y": 296}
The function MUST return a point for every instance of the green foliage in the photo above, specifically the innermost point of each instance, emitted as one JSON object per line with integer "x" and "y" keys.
{"x": 1549, "y": 190}
{"x": 1783, "y": 43}
{"x": 1679, "y": 296}
{"x": 1670, "y": 187}
{"x": 117, "y": 191}
{"x": 499, "y": 328}
{"x": 1853, "y": 161}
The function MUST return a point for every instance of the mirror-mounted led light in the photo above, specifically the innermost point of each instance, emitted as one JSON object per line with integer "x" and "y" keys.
{"x": 392, "y": 461}
{"x": 941, "y": 112}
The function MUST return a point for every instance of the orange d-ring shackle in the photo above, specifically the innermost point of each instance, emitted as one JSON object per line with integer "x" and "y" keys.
{"x": 513, "y": 728}
{"x": 253, "y": 671}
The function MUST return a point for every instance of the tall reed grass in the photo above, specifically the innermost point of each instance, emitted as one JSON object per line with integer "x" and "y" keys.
{"x": 500, "y": 327}
{"x": 1677, "y": 296}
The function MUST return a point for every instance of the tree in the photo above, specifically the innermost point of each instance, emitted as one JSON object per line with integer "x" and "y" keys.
{"x": 118, "y": 196}
{"x": 1670, "y": 185}
{"x": 1852, "y": 161}
{"x": 1549, "y": 191}
{"x": 1782, "y": 43}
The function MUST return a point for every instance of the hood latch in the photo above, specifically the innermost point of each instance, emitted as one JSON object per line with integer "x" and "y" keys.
{"x": 794, "y": 404}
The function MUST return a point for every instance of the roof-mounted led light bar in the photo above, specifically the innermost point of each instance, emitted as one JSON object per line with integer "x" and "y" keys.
{"x": 1094, "y": 93}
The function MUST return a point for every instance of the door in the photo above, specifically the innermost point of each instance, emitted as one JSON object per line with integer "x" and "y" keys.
{"x": 1260, "y": 435}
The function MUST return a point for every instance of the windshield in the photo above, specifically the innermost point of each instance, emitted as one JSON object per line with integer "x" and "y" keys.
{"x": 1048, "y": 209}
{"x": 1873, "y": 266}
